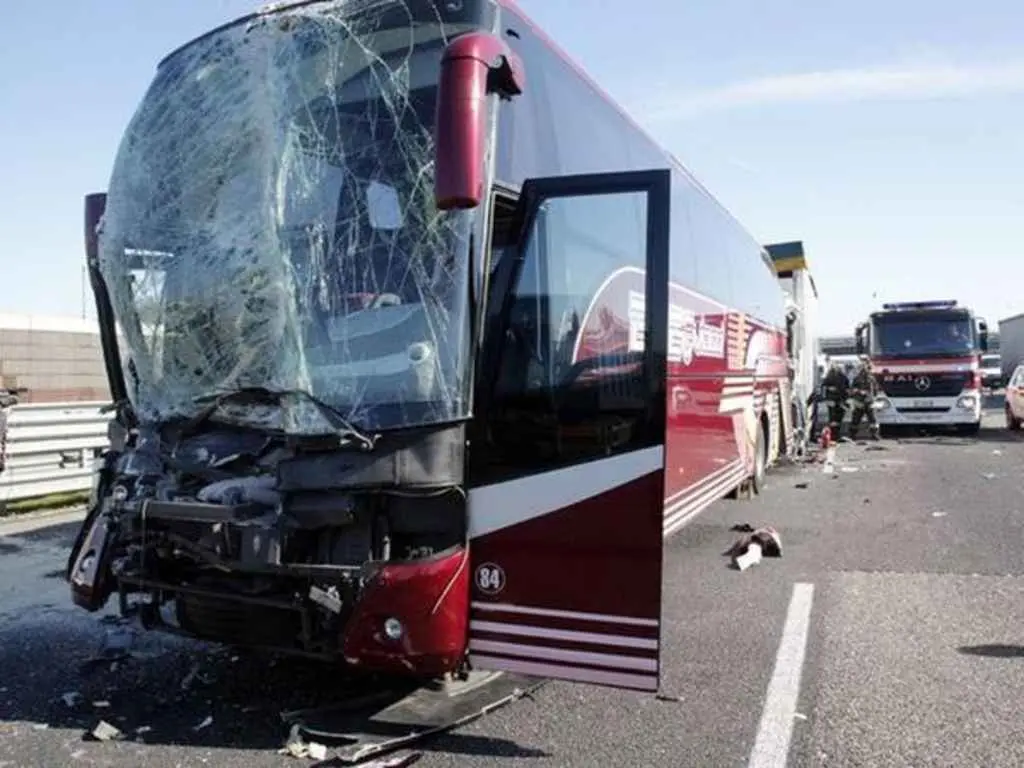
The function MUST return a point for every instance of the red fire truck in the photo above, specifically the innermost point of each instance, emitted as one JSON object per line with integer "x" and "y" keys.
{"x": 926, "y": 356}
{"x": 419, "y": 347}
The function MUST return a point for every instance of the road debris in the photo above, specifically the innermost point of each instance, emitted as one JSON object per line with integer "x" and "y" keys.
{"x": 395, "y": 761}
{"x": 298, "y": 747}
{"x": 104, "y": 731}
{"x": 207, "y": 722}
{"x": 72, "y": 699}
{"x": 802, "y": 485}
{"x": 751, "y": 556}
{"x": 939, "y": 514}
{"x": 748, "y": 550}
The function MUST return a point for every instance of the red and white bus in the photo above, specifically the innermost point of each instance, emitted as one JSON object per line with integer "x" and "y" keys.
{"x": 420, "y": 347}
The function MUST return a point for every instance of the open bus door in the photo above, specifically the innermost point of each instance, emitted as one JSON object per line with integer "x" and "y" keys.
{"x": 565, "y": 519}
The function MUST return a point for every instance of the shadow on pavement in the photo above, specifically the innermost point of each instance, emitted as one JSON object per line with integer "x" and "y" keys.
{"x": 994, "y": 651}
{"x": 993, "y": 435}
{"x": 57, "y": 669}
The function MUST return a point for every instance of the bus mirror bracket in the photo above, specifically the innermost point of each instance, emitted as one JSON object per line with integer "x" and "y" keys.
{"x": 473, "y": 67}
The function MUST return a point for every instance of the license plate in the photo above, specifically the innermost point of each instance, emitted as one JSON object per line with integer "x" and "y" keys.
{"x": 924, "y": 403}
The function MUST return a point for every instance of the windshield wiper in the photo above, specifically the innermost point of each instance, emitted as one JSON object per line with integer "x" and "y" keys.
{"x": 345, "y": 430}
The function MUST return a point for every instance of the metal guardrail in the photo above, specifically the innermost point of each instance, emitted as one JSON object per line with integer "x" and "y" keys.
{"x": 50, "y": 448}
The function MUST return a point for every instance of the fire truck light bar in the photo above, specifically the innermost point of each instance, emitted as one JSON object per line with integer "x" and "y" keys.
{"x": 903, "y": 306}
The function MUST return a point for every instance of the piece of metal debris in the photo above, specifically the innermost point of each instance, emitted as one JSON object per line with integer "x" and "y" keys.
{"x": 396, "y": 761}
{"x": 190, "y": 677}
{"x": 104, "y": 731}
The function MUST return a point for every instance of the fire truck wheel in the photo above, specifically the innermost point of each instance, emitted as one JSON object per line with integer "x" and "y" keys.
{"x": 1012, "y": 422}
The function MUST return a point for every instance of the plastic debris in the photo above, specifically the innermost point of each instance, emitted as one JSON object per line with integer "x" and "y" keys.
{"x": 299, "y": 747}
{"x": 752, "y": 556}
{"x": 72, "y": 699}
{"x": 207, "y": 722}
{"x": 802, "y": 485}
{"x": 849, "y": 469}
{"x": 101, "y": 704}
{"x": 104, "y": 731}
{"x": 748, "y": 551}
{"x": 316, "y": 751}
{"x": 939, "y": 514}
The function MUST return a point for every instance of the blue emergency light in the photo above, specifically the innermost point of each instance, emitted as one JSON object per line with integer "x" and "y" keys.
{"x": 905, "y": 306}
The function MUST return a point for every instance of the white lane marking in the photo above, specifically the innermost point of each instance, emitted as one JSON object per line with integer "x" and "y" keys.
{"x": 771, "y": 748}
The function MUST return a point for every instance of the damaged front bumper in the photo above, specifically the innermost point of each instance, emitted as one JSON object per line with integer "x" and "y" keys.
{"x": 405, "y": 618}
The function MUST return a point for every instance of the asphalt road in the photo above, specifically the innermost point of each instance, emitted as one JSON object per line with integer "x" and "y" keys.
{"x": 902, "y": 571}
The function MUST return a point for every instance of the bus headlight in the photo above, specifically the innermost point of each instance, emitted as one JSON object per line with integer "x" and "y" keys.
{"x": 881, "y": 404}
{"x": 967, "y": 402}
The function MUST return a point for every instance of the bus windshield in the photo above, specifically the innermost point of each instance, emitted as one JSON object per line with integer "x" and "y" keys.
{"x": 282, "y": 168}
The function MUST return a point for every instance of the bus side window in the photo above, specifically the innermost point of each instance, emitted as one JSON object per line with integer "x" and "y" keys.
{"x": 553, "y": 402}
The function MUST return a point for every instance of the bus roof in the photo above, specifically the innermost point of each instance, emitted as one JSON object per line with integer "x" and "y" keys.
{"x": 674, "y": 161}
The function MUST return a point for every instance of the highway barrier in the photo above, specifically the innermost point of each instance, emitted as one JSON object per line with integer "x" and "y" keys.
{"x": 50, "y": 449}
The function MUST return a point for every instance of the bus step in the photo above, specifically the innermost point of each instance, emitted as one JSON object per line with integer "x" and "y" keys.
{"x": 373, "y": 725}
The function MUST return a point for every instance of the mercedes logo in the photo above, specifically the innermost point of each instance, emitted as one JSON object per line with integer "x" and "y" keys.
{"x": 921, "y": 383}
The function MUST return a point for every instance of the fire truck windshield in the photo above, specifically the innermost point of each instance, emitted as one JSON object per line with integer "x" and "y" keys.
{"x": 270, "y": 220}
{"x": 923, "y": 336}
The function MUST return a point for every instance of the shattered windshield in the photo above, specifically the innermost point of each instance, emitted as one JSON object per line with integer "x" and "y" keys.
{"x": 924, "y": 336}
{"x": 270, "y": 221}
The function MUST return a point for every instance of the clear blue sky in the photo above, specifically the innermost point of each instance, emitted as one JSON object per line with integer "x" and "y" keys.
{"x": 888, "y": 135}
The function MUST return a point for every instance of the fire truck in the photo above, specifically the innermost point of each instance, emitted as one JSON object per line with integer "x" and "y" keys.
{"x": 926, "y": 357}
{"x": 418, "y": 346}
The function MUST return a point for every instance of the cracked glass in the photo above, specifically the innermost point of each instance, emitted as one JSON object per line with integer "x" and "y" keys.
{"x": 270, "y": 222}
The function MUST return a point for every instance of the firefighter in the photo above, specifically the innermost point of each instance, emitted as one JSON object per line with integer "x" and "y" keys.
{"x": 835, "y": 386}
{"x": 863, "y": 391}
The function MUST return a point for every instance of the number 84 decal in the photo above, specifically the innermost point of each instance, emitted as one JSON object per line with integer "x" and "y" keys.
{"x": 490, "y": 578}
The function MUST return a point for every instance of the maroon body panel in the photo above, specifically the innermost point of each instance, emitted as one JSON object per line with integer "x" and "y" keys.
{"x": 431, "y": 599}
